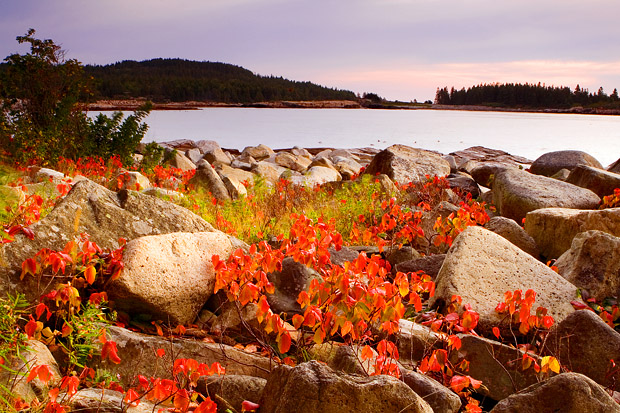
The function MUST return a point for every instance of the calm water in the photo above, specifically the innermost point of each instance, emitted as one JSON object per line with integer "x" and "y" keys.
{"x": 525, "y": 134}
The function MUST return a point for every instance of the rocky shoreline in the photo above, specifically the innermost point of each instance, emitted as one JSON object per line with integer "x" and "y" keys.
{"x": 168, "y": 275}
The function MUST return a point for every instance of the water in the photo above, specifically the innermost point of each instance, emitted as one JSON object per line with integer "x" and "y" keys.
{"x": 525, "y": 134}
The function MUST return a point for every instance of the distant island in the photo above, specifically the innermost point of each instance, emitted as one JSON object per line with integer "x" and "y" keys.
{"x": 174, "y": 84}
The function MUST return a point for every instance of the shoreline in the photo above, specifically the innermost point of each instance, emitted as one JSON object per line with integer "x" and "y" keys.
{"x": 133, "y": 104}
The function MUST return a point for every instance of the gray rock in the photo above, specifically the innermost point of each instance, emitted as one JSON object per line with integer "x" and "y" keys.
{"x": 138, "y": 356}
{"x": 397, "y": 255}
{"x": 481, "y": 266}
{"x": 298, "y": 151}
{"x": 515, "y": 193}
{"x": 235, "y": 389}
{"x": 551, "y": 162}
{"x": 562, "y": 175}
{"x": 213, "y": 153}
{"x": 315, "y": 388}
{"x": 210, "y": 181}
{"x": 553, "y": 229}
{"x": 452, "y": 162}
{"x": 464, "y": 183}
{"x": 597, "y": 180}
{"x": 593, "y": 264}
{"x": 404, "y": 164}
{"x": 106, "y": 401}
{"x": 498, "y": 366}
{"x": 482, "y": 154}
{"x": 105, "y": 215}
{"x": 293, "y": 279}
{"x": 440, "y": 398}
{"x": 259, "y": 152}
{"x": 182, "y": 162}
{"x": 585, "y": 344}
{"x": 614, "y": 167}
{"x": 510, "y": 230}
{"x": 345, "y": 254}
{"x": 165, "y": 194}
{"x": 193, "y": 155}
{"x": 414, "y": 341}
{"x": 429, "y": 264}
{"x": 169, "y": 276}
{"x": 567, "y": 393}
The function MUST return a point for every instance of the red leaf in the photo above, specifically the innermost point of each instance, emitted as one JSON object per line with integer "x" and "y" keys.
{"x": 496, "y": 332}
{"x": 110, "y": 351}
{"x": 207, "y": 406}
{"x": 132, "y": 397}
{"x": 248, "y": 406}
{"x": 42, "y": 372}
{"x": 160, "y": 352}
{"x": 284, "y": 342}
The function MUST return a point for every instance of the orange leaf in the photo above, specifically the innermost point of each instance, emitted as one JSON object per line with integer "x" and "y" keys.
{"x": 181, "y": 400}
{"x": 207, "y": 406}
{"x": 89, "y": 274}
{"x": 43, "y": 372}
{"x": 160, "y": 352}
{"x": 284, "y": 342}
{"x": 132, "y": 398}
{"x": 110, "y": 351}
{"x": 367, "y": 353}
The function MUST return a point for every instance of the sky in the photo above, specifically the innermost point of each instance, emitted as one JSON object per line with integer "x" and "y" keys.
{"x": 399, "y": 49}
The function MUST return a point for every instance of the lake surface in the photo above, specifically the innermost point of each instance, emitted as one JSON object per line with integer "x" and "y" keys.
{"x": 525, "y": 134}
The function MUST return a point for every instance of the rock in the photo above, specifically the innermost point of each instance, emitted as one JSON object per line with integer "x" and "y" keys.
{"x": 259, "y": 152}
{"x": 397, "y": 255}
{"x": 106, "y": 401}
{"x": 345, "y": 254}
{"x": 439, "y": 397}
{"x": 210, "y": 181}
{"x": 404, "y": 164}
{"x": 481, "y": 266}
{"x": 318, "y": 175}
{"x": 452, "y": 161}
{"x": 315, "y": 388}
{"x": 385, "y": 183}
{"x": 180, "y": 161}
{"x": 599, "y": 181}
{"x": 169, "y": 276}
{"x": 193, "y": 155}
{"x": 551, "y": 162}
{"x": 553, "y": 229}
{"x": 515, "y": 193}
{"x": 614, "y": 167}
{"x": 585, "y": 344}
{"x": 268, "y": 171}
{"x": 212, "y": 153}
{"x": 292, "y": 162}
{"x": 46, "y": 174}
{"x": 133, "y": 180}
{"x": 235, "y": 188}
{"x": 179, "y": 144}
{"x": 137, "y": 354}
{"x": 105, "y": 215}
{"x": 297, "y": 151}
{"x": 237, "y": 323}
{"x": 510, "y": 230}
{"x": 429, "y": 264}
{"x": 344, "y": 358}
{"x": 349, "y": 165}
{"x": 414, "y": 341}
{"x": 237, "y": 174}
{"x": 464, "y": 183}
{"x": 293, "y": 279}
{"x": 14, "y": 385}
{"x": 567, "y": 393}
{"x": 482, "y": 154}
{"x": 232, "y": 388}
{"x": 323, "y": 161}
{"x": 498, "y": 366}
{"x": 165, "y": 194}
{"x": 561, "y": 175}
{"x": 484, "y": 173}
{"x": 593, "y": 264}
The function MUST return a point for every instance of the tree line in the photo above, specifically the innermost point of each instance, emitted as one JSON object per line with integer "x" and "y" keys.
{"x": 178, "y": 80}
{"x": 526, "y": 96}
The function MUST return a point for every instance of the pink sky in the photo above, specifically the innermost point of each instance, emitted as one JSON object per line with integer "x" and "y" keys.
{"x": 399, "y": 49}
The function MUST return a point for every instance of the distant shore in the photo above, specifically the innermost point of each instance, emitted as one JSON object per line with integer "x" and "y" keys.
{"x": 133, "y": 104}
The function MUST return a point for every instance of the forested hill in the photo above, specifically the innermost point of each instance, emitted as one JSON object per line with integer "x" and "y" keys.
{"x": 513, "y": 95}
{"x": 177, "y": 80}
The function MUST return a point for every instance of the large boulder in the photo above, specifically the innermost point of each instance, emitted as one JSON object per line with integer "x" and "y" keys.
{"x": 319, "y": 175}
{"x": 553, "y": 229}
{"x": 516, "y": 192}
{"x": 212, "y": 152}
{"x": 414, "y": 341}
{"x": 464, "y": 183}
{"x": 315, "y": 388}
{"x": 481, "y": 266}
{"x": 481, "y": 154}
{"x": 514, "y": 233}
{"x": 138, "y": 356}
{"x": 585, "y": 344}
{"x": 404, "y": 164}
{"x": 593, "y": 264}
{"x": 105, "y": 216}
{"x": 567, "y": 393}
{"x": 597, "y": 180}
{"x": 484, "y": 173}
{"x": 551, "y": 162}
{"x": 170, "y": 276}
{"x": 259, "y": 152}
{"x": 181, "y": 162}
{"x": 210, "y": 181}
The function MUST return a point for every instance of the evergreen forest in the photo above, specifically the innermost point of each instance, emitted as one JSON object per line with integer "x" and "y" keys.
{"x": 527, "y": 95}
{"x": 178, "y": 80}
